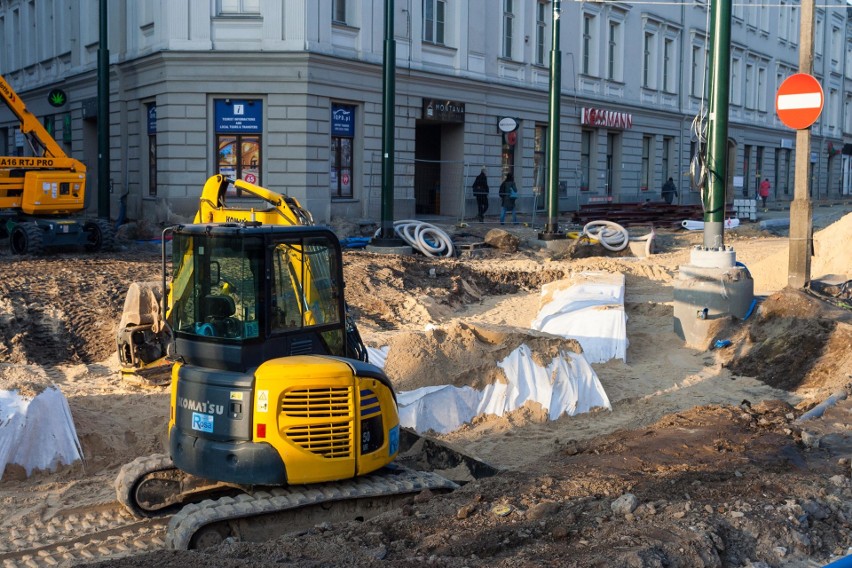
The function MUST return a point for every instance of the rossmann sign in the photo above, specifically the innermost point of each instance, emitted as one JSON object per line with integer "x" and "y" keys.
{"x": 606, "y": 118}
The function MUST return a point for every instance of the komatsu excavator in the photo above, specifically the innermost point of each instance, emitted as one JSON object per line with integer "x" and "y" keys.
{"x": 277, "y": 420}
{"x": 38, "y": 193}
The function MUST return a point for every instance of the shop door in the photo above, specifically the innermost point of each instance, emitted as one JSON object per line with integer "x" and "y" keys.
{"x": 427, "y": 169}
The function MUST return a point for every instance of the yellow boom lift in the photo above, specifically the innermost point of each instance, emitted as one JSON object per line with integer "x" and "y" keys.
{"x": 38, "y": 193}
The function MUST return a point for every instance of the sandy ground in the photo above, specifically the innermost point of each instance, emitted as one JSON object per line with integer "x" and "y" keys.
{"x": 706, "y": 441}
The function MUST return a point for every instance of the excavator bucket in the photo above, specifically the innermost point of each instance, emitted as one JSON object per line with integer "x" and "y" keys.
{"x": 143, "y": 336}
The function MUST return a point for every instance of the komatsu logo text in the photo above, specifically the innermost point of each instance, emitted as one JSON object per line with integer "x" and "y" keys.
{"x": 229, "y": 219}
{"x": 206, "y": 407}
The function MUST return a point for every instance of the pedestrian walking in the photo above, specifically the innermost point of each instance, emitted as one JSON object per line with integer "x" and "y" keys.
{"x": 508, "y": 197}
{"x": 669, "y": 191}
{"x": 480, "y": 191}
{"x": 763, "y": 191}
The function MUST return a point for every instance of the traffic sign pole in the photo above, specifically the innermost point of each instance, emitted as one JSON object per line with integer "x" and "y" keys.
{"x": 801, "y": 209}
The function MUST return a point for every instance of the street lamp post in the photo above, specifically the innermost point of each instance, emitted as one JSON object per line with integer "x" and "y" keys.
{"x": 551, "y": 228}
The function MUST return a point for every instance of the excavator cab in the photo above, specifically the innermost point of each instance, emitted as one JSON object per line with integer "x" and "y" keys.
{"x": 267, "y": 389}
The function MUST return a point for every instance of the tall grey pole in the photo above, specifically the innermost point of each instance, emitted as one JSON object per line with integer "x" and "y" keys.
{"x": 551, "y": 228}
{"x": 103, "y": 113}
{"x": 717, "y": 127}
{"x": 801, "y": 209}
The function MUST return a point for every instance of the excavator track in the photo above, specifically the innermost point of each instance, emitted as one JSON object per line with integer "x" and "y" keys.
{"x": 151, "y": 486}
{"x": 78, "y": 536}
{"x": 266, "y": 514}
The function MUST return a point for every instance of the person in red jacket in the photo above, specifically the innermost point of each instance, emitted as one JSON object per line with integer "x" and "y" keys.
{"x": 763, "y": 190}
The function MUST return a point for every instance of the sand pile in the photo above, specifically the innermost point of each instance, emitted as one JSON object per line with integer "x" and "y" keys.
{"x": 464, "y": 354}
{"x": 831, "y": 258}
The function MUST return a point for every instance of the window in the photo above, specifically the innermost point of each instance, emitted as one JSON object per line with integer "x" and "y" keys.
{"x": 151, "y": 115}
{"x": 508, "y": 31}
{"x": 793, "y": 28}
{"x": 738, "y": 11}
{"x": 847, "y": 114}
{"x": 848, "y": 58}
{"x": 585, "y": 159}
{"x": 751, "y": 14}
{"x": 342, "y": 146}
{"x": 668, "y": 144}
{"x": 758, "y": 166}
{"x": 238, "y": 139}
{"x": 836, "y": 47}
{"x": 338, "y": 8}
{"x": 783, "y": 20}
{"x": 750, "y": 87}
{"x": 647, "y": 60}
{"x": 696, "y": 87}
{"x": 295, "y": 305}
{"x": 818, "y": 35}
{"x": 761, "y": 89}
{"x": 833, "y": 105}
{"x": 669, "y": 65}
{"x": 746, "y": 175}
{"x": 540, "y": 164}
{"x": 589, "y": 53}
{"x": 614, "y": 52}
{"x": 736, "y": 81}
{"x": 764, "y": 17}
{"x": 645, "y": 174}
{"x": 434, "y": 20}
{"x": 540, "y": 32}
{"x": 238, "y": 7}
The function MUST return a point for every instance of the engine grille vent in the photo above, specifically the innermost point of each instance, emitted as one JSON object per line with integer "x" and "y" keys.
{"x": 330, "y": 402}
{"x": 327, "y": 440}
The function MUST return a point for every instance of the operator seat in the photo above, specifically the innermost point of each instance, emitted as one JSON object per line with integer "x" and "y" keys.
{"x": 218, "y": 314}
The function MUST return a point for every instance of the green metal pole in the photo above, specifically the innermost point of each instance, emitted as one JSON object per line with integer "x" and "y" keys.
{"x": 551, "y": 228}
{"x": 103, "y": 114}
{"x": 717, "y": 134}
{"x": 387, "y": 235}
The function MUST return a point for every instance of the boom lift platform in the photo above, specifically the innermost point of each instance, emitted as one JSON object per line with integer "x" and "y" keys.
{"x": 40, "y": 193}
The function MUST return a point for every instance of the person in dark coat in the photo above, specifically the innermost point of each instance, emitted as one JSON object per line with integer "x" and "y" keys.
{"x": 669, "y": 191}
{"x": 480, "y": 190}
{"x": 508, "y": 196}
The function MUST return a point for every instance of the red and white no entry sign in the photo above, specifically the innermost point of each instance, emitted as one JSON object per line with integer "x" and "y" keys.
{"x": 799, "y": 101}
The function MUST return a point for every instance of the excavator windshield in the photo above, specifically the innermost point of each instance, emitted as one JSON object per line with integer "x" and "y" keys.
{"x": 219, "y": 289}
{"x": 240, "y": 286}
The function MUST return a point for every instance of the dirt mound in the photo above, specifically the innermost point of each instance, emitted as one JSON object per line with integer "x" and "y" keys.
{"x": 65, "y": 308}
{"x": 830, "y": 258}
{"x": 392, "y": 291}
{"x": 464, "y": 354}
{"x": 797, "y": 343}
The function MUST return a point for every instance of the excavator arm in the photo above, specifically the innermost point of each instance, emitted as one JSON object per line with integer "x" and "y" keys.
{"x": 279, "y": 210}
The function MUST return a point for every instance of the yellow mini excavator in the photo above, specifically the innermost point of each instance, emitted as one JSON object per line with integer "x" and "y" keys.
{"x": 277, "y": 420}
{"x": 39, "y": 193}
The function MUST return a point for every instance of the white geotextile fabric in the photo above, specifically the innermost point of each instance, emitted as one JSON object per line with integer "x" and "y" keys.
{"x": 699, "y": 225}
{"x": 37, "y": 433}
{"x": 378, "y": 356}
{"x": 592, "y": 312}
{"x": 568, "y": 385}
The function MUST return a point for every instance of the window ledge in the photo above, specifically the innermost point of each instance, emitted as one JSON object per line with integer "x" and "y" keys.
{"x": 438, "y": 47}
{"x": 345, "y": 26}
